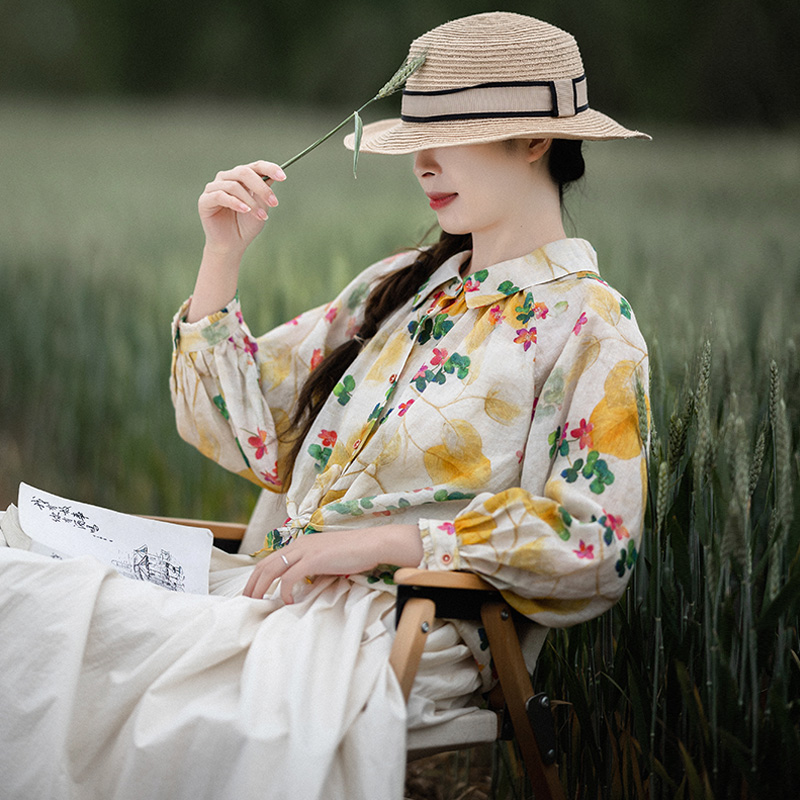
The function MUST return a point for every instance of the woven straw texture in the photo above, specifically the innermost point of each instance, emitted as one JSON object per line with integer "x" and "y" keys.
{"x": 483, "y": 48}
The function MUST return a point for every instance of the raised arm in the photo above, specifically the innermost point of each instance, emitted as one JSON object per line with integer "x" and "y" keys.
{"x": 233, "y": 209}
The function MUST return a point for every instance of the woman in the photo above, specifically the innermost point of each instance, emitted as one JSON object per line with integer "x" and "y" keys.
{"x": 475, "y": 405}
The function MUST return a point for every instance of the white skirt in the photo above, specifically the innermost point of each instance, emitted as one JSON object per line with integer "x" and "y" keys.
{"x": 112, "y": 689}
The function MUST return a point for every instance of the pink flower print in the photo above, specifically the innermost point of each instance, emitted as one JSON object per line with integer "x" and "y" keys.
{"x": 403, "y": 407}
{"x": 353, "y": 327}
{"x": 580, "y": 323}
{"x": 272, "y": 477}
{"x": 495, "y": 315}
{"x": 260, "y": 443}
{"x": 328, "y": 438}
{"x": 316, "y": 358}
{"x": 250, "y": 346}
{"x": 294, "y": 321}
{"x": 421, "y": 372}
{"x": 585, "y": 551}
{"x": 239, "y": 317}
{"x": 448, "y": 527}
{"x": 330, "y": 315}
{"x": 540, "y": 310}
{"x": 526, "y": 337}
{"x": 471, "y": 285}
{"x": 615, "y": 523}
{"x": 584, "y": 433}
{"x": 439, "y": 356}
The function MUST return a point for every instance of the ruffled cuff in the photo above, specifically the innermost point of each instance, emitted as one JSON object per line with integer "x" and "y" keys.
{"x": 439, "y": 544}
{"x": 206, "y": 332}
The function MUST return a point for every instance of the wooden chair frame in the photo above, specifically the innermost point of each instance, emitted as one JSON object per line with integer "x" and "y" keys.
{"x": 424, "y": 595}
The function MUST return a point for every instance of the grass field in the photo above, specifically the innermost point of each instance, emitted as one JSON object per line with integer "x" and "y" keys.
{"x": 99, "y": 243}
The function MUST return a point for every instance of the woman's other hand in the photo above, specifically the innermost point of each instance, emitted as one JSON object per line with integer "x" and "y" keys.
{"x": 233, "y": 209}
{"x": 335, "y": 553}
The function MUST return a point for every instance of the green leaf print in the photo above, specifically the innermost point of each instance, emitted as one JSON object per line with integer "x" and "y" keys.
{"x": 455, "y": 363}
{"x": 566, "y": 518}
{"x": 526, "y": 310}
{"x": 320, "y": 455}
{"x": 430, "y": 328}
{"x": 625, "y": 307}
{"x": 342, "y": 391}
{"x": 214, "y": 334}
{"x": 441, "y": 325}
{"x": 347, "y": 508}
{"x": 458, "y": 364}
{"x": 219, "y": 402}
{"x": 357, "y": 295}
{"x": 442, "y": 495}
{"x": 507, "y": 288}
{"x": 558, "y": 443}
{"x": 627, "y": 558}
{"x": 595, "y": 469}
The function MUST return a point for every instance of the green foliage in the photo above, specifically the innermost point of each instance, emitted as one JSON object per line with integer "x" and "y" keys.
{"x": 731, "y": 60}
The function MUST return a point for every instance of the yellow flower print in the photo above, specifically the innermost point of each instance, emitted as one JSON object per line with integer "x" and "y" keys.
{"x": 550, "y": 605}
{"x": 498, "y": 409}
{"x": 276, "y": 366}
{"x": 459, "y": 461}
{"x": 391, "y": 357}
{"x": 615, "y": 420}
{"x": 474, "y": 527}
{"x": 539, "y": 556}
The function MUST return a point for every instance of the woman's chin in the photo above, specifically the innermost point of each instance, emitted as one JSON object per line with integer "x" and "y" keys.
{"x": 452, "y": 226}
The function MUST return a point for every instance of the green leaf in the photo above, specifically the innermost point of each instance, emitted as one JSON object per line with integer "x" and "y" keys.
{"x": 359, "y": 129}
{"x": 507, "y": 287}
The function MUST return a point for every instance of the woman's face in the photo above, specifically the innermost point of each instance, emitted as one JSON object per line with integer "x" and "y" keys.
{"x": 476, "y": 188}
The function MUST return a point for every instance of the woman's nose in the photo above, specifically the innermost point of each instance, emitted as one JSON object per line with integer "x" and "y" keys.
{"x": 426, "y": 163}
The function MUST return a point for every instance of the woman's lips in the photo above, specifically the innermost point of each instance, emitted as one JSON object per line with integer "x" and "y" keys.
{"x": 440, "y": 200}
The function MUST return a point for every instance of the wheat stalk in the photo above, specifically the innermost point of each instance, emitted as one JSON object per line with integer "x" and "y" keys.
{"x": 394, "y": 84}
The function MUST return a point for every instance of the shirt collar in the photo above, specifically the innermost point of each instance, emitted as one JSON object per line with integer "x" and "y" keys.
{"x": 547, "y": 263}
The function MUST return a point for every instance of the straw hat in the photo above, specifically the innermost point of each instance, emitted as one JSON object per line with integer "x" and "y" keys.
{"x": 490, "y": 77}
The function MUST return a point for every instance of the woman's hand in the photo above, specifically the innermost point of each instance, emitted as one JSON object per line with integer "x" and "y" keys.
{"x": 335, "y": 553}
{"x": 234, "y": 206}
{"x": 233, "y": 209}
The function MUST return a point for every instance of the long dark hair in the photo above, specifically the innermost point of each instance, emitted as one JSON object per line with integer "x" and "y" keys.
{"x": 565, "y": 164}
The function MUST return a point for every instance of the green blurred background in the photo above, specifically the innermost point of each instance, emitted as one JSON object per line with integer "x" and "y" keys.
{"x": 704, "y": 62}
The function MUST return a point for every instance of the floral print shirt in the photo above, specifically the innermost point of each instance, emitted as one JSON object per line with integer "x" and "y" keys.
{"x": 503, "y": 413}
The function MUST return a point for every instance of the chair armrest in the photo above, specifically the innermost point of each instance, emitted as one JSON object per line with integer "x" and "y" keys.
{"x": 444, "y": 579}
{"x": 221, "y": 530}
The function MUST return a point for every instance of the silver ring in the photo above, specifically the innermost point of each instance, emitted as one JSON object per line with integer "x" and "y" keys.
{"x": 284, "y": 559}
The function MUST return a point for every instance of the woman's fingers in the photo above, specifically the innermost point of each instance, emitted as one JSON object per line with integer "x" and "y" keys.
{"x": 347, "y": 552}
{"x": 264, "y": 573}
{"x": 244, "y": 184}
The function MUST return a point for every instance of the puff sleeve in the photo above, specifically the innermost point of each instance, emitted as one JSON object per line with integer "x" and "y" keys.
{"x": 234, "y": 394}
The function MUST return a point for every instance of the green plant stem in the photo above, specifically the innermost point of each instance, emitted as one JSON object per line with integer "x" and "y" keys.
{"x": 325, "y": 137}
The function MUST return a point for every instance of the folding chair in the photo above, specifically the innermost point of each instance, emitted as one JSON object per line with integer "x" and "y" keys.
{"x": 515, "y": 710}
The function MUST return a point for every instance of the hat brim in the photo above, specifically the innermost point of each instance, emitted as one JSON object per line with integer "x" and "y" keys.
{"x": 394, "y": 136}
